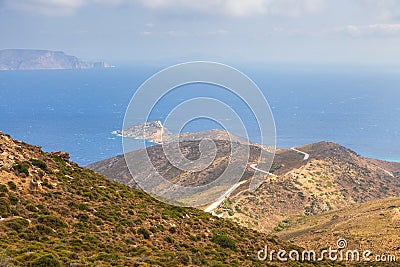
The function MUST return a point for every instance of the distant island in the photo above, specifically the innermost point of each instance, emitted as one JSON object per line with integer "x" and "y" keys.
{"x": 29, "y": 59}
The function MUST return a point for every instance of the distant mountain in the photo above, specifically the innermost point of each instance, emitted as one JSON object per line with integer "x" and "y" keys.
{"x": 28, "y": 59}
{"x": 55, "y": 213}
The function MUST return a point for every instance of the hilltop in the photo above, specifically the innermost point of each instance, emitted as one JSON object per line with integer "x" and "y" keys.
{"x": 54, "y": 212}
{"x": 30, "y": 59}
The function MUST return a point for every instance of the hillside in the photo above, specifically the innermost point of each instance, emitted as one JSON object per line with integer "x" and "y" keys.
{"x": 54, "y": 212}
{"x": 29, "y": 59}
{"x": 116, "y": 169}
{"x": 373, "y": 225}
{"x": 331, "y": 178}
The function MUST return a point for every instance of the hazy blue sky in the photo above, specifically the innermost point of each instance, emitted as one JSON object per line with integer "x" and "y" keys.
{"x": 310, "y": 31}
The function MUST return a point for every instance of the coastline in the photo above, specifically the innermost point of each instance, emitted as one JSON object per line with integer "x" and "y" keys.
{"x": 385, "y": 158}
{"x": 136, "y": 138}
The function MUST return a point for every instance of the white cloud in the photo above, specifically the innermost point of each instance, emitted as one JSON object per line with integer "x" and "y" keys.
{"x": 55, "y": 7}
{"x": 46, "y": 7}
{"x": 373, "y": 30}
{"x": 384, "y": 9}
{"x": 236, "y": 8}
{"x": 179, "y": 33}
{"x": 239, "y": 8}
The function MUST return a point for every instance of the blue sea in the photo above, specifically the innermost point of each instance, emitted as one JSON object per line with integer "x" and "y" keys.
{"x": 77, "y": 110}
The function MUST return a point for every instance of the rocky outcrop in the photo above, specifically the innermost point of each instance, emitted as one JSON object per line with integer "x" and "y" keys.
{"x": 152, "y": 130}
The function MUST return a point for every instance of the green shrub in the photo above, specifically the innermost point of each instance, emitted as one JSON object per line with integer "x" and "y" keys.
{"x": 83, "y": 206}
{"x": 98, "y": 221}
{"x": 81, "y": 226}
{"x": 14, "y": 212}
{"x": 144, "y": 233}
{"x": 4, "y": 208}
{"x": 3, "y": 188}
{"x": 31, "y": 207}
{"x": 12, "y": 185}
{"x": 52, "y": 221}
{"x": 153, "y": 229}
{"x": 45, "y": 261}
{"x": 38, "y": 163}
{"x": 18, "y": 224}
{"x": 83, "y": 217}
{"x": 222, "y": 239}
{"x": 48, "y": 185}
{"x": 183, "y": 258}
{"x": 20, "y": 169}
{"x": 173, "y": 212}
{"x": 102, "y": 256}
{"x": 13, "y": 199}
{"x": 43, "y": 230}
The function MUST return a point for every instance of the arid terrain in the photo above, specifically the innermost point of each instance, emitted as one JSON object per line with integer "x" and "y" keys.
{"x": 373, "y": 225}
{"x": 55, "y": 213}
{"x": 302, "y": 194}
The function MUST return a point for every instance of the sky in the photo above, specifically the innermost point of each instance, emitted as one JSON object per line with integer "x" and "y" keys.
{"x": 263, "y": 31}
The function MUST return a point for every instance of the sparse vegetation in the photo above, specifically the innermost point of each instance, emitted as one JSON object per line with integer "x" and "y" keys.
{"x": 21, "y": 169}
{"x": 38, "y": 163}
{"x": 45, "y": 261}
{"x": 85, "y": 219}
{"x": 349, "y": 223}
{"x": 221, "y": 238}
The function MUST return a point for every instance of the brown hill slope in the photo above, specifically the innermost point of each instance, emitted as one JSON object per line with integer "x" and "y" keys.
{"x": 116, "y": 169}
{"x": 374, "y": 225}
{"x": 331, "y": 178}
{"x": 52, "y": 211}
